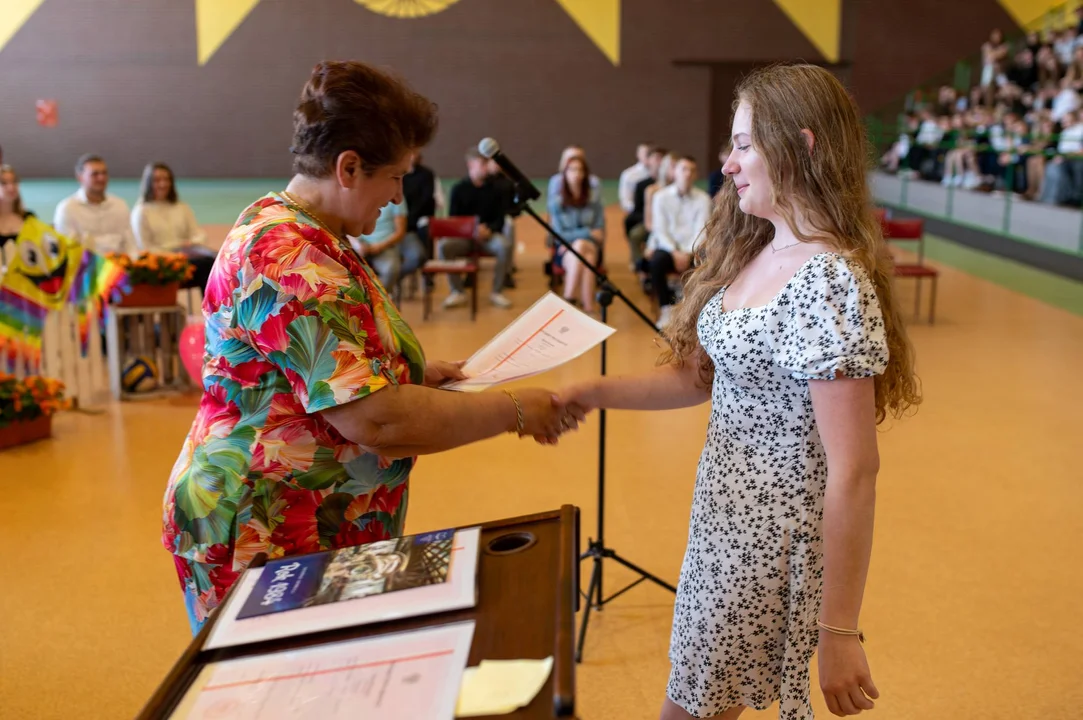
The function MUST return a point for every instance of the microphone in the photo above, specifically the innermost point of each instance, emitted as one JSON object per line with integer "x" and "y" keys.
{"x": 490, "y": 149}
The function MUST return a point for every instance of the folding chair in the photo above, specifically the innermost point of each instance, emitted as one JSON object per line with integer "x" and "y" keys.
{"x": 444, "y": 229}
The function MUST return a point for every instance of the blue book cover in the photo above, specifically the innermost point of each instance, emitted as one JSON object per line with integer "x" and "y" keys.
{"x": 350, "y": 573}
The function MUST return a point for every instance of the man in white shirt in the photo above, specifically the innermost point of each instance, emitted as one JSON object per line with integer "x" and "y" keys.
{"x": 626, "y": 187}
{"x": 679, "y": 214}
{"x": 101, "y": 222}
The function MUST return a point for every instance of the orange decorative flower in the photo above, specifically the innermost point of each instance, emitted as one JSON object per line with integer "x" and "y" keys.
{"x": 30, "y": 398}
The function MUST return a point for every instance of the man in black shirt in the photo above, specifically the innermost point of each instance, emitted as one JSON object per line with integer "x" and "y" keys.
{"x": 478, "y": 196}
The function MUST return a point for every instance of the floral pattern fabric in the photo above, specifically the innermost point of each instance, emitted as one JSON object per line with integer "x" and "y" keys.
{"x": 295, "y": 324}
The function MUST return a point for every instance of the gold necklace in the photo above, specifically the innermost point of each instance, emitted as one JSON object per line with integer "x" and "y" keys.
{"x": 294, "y": 200}
{"x": 773, "y": 250}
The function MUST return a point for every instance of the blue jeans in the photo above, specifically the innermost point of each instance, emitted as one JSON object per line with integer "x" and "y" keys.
{"x": 405, "y": 258}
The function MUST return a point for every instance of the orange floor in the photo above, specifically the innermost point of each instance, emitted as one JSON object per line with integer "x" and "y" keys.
{"x": 973, "y": 603}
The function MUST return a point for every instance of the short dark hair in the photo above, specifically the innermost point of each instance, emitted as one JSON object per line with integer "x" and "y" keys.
{"x": 472, "y": 153}
{"x": 146, "y": 187}
{"x": 658, "y": 150}
{"x": 354, "y": 106}
{"x": 686, "y": 158}
{"x": 85, "y": 160}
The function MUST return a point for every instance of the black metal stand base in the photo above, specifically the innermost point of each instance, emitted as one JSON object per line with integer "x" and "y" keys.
{"x": 597, "y": 552}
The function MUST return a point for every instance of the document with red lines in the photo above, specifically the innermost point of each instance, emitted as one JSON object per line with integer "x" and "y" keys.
{"x": 404, "y": 676}
{"x": 549, "y": 334}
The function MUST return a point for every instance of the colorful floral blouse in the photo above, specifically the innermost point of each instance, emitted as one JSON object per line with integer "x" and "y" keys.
{"x": 295, "y": 324}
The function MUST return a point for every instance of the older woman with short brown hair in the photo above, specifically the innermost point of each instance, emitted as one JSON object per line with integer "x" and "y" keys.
{"x": 317, "y": 395}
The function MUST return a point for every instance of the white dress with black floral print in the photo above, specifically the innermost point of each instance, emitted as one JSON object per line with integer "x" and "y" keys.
{"x": 744, "y": 627}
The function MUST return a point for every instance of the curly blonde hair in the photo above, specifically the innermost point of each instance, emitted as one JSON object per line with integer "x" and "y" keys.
{"x": 829, "y": 186}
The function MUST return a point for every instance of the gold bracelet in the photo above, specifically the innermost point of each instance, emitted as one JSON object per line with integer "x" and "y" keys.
{"x": 520, "y": 421}
{"x": 842, "y": 631}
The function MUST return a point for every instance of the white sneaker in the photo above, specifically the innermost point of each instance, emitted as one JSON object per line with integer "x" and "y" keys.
{"x": 499, "y": 300}
{"x": 454, "y": 300}
{"x": 665, "y": 316}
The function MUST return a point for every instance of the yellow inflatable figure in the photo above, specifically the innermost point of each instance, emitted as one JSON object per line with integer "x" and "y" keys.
{"x": 47, "y": 271}
{"x": 44, "y": 266}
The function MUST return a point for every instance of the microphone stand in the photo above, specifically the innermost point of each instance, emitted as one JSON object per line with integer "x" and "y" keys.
{"x": 597, "y": 551}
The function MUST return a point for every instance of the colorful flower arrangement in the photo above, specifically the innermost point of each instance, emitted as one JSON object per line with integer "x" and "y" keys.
{"x": 30, "y": 398}
{"x": 154, "y": 268}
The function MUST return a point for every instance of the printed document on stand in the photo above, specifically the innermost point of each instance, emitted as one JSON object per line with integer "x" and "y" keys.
{"x": 549, "y": 334}
{"x": 403, "y": 676}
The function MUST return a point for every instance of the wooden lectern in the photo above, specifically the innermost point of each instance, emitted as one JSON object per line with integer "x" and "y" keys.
{"x": 528, "y": 593}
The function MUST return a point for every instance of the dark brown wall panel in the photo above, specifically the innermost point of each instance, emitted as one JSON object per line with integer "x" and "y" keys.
{"x": 128, "y": 84}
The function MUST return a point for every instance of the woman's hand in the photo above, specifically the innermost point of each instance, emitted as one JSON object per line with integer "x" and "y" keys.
{"x": 439, "y": 372}
{"x": 844, "y": 674}
{"x": 577, "y": 404}
{"x": 545, "y": 415}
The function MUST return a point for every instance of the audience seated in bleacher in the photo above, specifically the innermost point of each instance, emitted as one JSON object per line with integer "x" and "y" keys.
{"x": 1018, "y": 130}
{"x": 100, "y": 221}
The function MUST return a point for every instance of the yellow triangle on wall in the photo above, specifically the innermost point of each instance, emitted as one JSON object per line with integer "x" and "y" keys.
{"x": 14, "y": 16}
{"x": 1026, "y": 12}
{"x": 215, "y": 22}
{"x": 600, "y": 20}
{"x": 819, "y": 20}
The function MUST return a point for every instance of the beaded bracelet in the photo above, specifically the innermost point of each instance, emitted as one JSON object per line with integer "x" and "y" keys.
{"x": 520, "y": 421}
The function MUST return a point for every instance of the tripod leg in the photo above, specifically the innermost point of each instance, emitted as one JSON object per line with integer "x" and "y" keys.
{"x": 643, "y": 573}
{"x": 594, "y": 589}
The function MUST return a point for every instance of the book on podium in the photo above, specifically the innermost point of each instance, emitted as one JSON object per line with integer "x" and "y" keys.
{"x": 364, "y": 584}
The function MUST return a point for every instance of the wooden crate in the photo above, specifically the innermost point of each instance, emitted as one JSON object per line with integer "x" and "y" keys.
{"x": 152, "y": 332}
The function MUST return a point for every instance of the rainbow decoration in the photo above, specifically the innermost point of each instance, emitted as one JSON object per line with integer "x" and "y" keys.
{"x": 97, "y": 281}
{"x": 47, "y": 272}
{"x": 21, "y": 320}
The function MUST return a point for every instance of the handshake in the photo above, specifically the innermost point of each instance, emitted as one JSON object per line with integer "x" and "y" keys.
{"x": 548, "y": 415}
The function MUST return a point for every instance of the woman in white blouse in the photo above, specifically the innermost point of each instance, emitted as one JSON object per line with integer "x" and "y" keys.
{"x": 163, "y": 223}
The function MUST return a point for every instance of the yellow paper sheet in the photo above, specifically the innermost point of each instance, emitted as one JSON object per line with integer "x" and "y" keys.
{"x": 498, "y": 687}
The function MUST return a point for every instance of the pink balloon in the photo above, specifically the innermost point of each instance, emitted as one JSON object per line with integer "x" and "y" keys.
{"x": 191, "y": 351}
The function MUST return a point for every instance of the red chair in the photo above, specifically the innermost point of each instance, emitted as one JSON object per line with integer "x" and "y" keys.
{"x": 912, "y": 230}
{"x": 451, "y": 228}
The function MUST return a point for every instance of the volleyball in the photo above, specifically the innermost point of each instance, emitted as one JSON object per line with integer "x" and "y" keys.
{"x": 140, "y": 375}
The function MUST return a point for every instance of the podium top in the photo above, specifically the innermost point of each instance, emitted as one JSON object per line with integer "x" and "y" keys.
{"x": 528, "y": 573}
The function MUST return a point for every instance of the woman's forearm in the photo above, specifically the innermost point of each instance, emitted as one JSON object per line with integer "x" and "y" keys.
{"x": 849, "y": 507}
{"x": 414, "y": 420}
{"x": 667, "y": 388}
